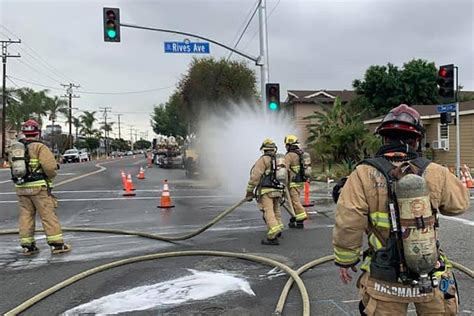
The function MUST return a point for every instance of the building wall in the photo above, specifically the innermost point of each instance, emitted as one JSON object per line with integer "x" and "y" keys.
{"x": 301, "y": 111}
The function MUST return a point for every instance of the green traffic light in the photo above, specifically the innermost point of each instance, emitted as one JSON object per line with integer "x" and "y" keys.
{"x": 273, "y": 106}
{"x": 111, "y": 33}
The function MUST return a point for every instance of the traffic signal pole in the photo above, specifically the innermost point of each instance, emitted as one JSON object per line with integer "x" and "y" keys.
{"x": 458, "y": 132}
{"x": 261, "y": 60}
{"x": 264, "y": 69}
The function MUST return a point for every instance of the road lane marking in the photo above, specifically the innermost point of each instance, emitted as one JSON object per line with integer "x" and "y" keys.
{"x": 109, "y": 191}
{"x": 457, "y": 219}
{"x": 131, "y": 198}
{"x": 66, "y": 174}
{"x": 6, "y": 181}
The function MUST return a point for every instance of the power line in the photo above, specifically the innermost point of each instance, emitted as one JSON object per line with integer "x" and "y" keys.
{"x": 35, "y": 83}
{"x": 37, "y": 71}
{"x": 245, "y": 29}
{"x": 16, "y": 85}
{"x": 39, "y": 62}
{"x": 93, "y": 92}
{"x": 256, "y": 32}
{"x": 39, "y": 56}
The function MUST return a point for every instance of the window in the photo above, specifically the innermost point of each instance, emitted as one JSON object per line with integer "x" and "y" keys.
{"x": 443, "y": 132}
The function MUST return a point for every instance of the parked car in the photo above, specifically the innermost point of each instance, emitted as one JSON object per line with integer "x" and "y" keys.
{"x": 129, "y": 153}
{"x": 84, "y": 155}
{"x": 71, "y": 155}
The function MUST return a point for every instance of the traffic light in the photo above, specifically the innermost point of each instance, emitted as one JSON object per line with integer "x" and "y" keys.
{"x": 112, "y": 25}
{"x": 445, "y": 118}
{"x": 446, "y": 81}
{"x": 273, "y": 96}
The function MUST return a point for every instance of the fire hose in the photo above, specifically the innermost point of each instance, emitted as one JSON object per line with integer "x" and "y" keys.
{"x": 294, "y": 275}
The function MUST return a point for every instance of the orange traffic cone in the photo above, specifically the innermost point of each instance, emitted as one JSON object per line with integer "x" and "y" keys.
{"x": 141, "y": 174}
{"x": 149, "y": 162}
{"x": 307, "y": 202}
{"x": 128, "y": 187}
{"x": 165, "y": 201}
{"x": 468, "y": 176}
{"x": 463, "y": 178}
{"x": 129, "y": 178}
{"x": 124, "y": 179}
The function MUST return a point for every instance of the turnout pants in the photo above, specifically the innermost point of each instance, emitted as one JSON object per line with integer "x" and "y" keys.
{"x": 300, "y": 212}
{"x": 34, "y": 200}
{"x": 270, "y": 206}
{"x": 378, "y": 303}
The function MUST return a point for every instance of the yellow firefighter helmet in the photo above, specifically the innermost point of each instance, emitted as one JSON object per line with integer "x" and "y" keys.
{"x": 291, "y": 140}
{"x": 268, "y": 145}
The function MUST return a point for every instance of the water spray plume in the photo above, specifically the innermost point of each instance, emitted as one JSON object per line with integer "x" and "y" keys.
{"x": 229, "y": 142}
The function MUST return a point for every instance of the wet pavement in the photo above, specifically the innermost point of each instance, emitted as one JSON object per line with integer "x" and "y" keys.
{"x": 186, "y": 285}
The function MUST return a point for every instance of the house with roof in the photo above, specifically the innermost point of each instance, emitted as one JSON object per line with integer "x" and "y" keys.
{"x": 442, "y": 137}
{"x": 303, "y": 103}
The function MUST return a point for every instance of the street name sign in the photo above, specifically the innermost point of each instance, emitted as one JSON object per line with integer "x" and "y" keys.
{"x": 187, "y": 47}
{"x": 451, "y": 107}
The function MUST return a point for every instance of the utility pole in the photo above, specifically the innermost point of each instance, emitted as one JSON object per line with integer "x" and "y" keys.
{"x": 70, "y": 94}
{"x": 5, "y": 55}
{"x": 106, "y": 132}
{"x": 118, "y": 116}
{"x": 131, "y": 137}
{"x": 263, "y": 58}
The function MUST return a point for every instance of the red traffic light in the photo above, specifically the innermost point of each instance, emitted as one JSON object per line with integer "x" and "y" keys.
{"x": 443, "y": 72}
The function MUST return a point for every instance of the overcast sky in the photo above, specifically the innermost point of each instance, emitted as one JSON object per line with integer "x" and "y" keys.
{"x": 313, "y": 44}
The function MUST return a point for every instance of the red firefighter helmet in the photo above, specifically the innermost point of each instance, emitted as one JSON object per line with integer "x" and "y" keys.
{"x": 30, "y": 128}
{"x": 401, "y": 121}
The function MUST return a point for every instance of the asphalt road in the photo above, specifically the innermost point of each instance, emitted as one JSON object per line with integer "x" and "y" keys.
{"x": 186, "y": 285}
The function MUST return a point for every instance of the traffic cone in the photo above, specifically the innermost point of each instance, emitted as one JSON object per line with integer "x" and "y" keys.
{"x": 141, "y": 174}
{"x": 468, "y": 176}
{"x": 165, "y": 201}
{"x": 307, "y": 202}
{"x": 124, "y": 179}
{"x": 463, "y": 178}
{"x": 149, "y": 162}
{"x": 129, "y": 178}
{"x": 128, "y": 187}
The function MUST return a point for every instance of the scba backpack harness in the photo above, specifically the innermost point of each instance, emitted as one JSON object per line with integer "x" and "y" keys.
{"x": 20, "y": 166}
{"x": 411, "y": 254}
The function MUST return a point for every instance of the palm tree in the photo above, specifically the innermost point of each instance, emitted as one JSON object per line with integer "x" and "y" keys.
{"x": 87, "y": 120}
{"x": 54, "y": 106}
{"x": 77, "y": 125}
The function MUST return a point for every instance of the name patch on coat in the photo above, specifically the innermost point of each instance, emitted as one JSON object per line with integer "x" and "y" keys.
{"x": 398, "y": 290}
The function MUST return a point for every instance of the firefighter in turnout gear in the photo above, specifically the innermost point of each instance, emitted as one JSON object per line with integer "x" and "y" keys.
{"x": 395, "y": 198}
{"x": 297, "y": 178}
{"x": 266, "y": 185}
{"x": 33, "y": 169}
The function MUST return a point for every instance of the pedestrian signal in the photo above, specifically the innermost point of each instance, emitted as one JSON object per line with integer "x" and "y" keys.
{"x": 273, "y": 96}
{"x": 446, "y": 81}
{"x": 111, "y": 25}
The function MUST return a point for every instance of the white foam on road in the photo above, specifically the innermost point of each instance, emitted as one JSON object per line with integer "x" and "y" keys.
{"x": 200, "y": 285}
{"x": 458, "y": 219}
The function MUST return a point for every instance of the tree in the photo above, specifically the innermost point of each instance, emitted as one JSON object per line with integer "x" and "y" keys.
{"x": 55, "y": 106}
{"x": 385, "y": 87}
{"x": 120, "y": 144}
{"x": 87, "y": 120}
{"x": 340, "y": 134}
{"x": 77, "y": 125}
{"x": 167, "y": 118}
{"x": 142, "y": 144}
{"x": 210, "y": 85}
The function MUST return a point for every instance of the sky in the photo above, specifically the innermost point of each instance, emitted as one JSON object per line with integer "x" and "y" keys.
{"x": 313, "y": 44}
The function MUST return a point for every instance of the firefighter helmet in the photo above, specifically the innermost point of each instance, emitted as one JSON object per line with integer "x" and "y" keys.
{"x": 30, "y": 128}
{"x": 291, "y": 140}
{"x": 402, "y": 120}
{"x": 268, "y": 145}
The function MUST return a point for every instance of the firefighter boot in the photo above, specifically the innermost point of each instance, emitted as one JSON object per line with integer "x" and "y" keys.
{"x": 60, "y": 248}
{"x": 295, "y": 224}
{"x": 270, "y": 242}
{"x": 29, "y": 250}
